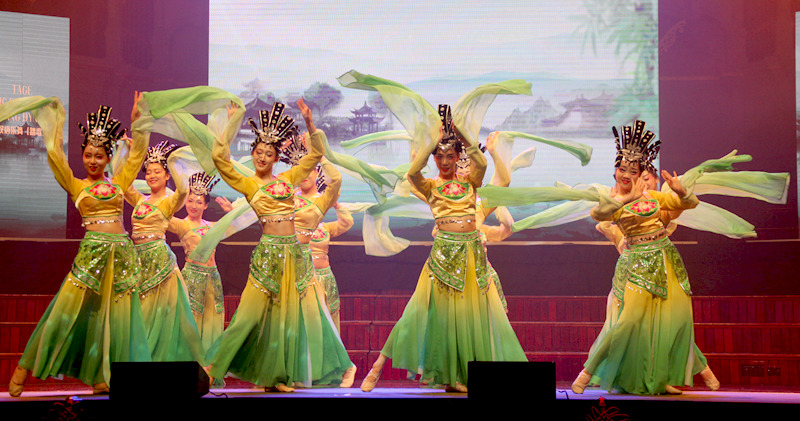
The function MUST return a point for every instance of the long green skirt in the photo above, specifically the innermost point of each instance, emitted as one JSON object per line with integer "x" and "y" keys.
{"x": 205, "y": 297}
{"x": 444, "y": 328}
{"x": 647, "y": 341}
{"x": 281, "y": 332}
{"x": 95, "y": 318}
{"x": 171, "y": 330}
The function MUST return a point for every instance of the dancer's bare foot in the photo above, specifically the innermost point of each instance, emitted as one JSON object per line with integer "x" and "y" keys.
{"x": 348, "y": 378}
{"x": 17, "y": 383}
{"x": 581, "y": 382}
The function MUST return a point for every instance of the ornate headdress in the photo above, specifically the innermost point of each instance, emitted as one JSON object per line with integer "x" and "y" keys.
{"x": 101, "y": 130}
{"x": 158, "y": 154}
{"x": 449, "y": 137}
{"x": 291, "y": 153}
{"x": 636, "y": 145}
{"x": 275, "y": 127}
{"x": 201, "y": 183}
{"x": 464, "y": 161}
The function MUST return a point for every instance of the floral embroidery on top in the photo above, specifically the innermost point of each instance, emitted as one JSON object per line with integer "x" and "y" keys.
{"x": 454, "y": 190}
{"x": 643, "y": 207}
{"x": 201, "y": 231}
{"x": 278, "y": 189}
{"x": 142, "y": 210}
{"x": 320, "y": 234}
{"x": 103, "y": 190}
{"x": 301, "y": 202}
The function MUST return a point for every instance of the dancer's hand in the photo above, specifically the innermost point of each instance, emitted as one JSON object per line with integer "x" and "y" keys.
{"x": 232, "y": 107}
{"x": 637, "y": 189}
{"x": 674, "y": 183}
{"x": 224, "y": 203}
{"x": 491, "y": 142}
{"x": 135, "y": 113}
{"x": 307, "y": 115}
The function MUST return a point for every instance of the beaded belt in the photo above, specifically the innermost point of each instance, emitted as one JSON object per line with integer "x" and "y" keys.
{"x": 102, "y": 221}
{"x": 456, "y": 220}
{"x": 267, "y": 219}
{"x": 306, "y": 233}
{"x": 149, "y": 236}
{"x": 646, "y": 238}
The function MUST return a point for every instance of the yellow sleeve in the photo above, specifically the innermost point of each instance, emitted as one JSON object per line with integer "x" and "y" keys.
{"x": 178, "y": 226}
{"x": 56, "y": 159}
{"x": 132, "y": 196}
{"x": 344, "y": 221}
{"x": 177, "y": 199}
{"x": 477, "y": 167}
{"x": 307, "y": 163}
{"x": 221, "y": 155}
{"x": 606, "y": 209}
{"x": 671, "y": 202}
{"x": 502, "y": 177}
{"x": 139, "y": 141}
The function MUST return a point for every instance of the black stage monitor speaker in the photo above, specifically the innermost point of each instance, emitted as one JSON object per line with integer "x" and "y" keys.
{"x": 510, "y": 380}
{"x": 158, "y": 380}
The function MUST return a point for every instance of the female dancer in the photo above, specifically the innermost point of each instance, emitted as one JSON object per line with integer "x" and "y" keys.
{"x": 649, "y": 346}
{"x": 95, "y": 318}
{"x": 171, "y": 330}
{"x": 320, "y": 244}
{"x": 310, "y": 207}
{"x": 315, "y": 199}
{"x": 447, "y": 322}
{"x": 201, "y": 277}
{"x": 267, "y": 341}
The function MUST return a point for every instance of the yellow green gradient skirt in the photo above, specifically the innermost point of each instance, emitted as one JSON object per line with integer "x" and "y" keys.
{"x": 647, "y": 341}
{"x": 281, "y": 332}
{"x": 95, "y": 318}
{"x": 442, "y": 327}
{"x": 205, "y": 297}
{"x": 171, "y": 330}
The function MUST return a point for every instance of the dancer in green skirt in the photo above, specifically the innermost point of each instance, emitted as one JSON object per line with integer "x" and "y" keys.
{"x": 95, "y": 318}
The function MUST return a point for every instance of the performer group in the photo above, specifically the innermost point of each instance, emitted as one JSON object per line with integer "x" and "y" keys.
{"x": 126, "y": 300}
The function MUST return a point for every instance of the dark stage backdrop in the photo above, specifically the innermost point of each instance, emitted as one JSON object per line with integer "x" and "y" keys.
{"x": 726, "y": 81}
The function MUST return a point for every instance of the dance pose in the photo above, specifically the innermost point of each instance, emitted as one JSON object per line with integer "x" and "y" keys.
{"x": 648, "y": 346}
{"x": 201, "y": 277}
{"x": 281, "y": 334}
{"x": 95, "y": 318}
{"x": 315, "y": 199}
{"x": 455, "y": 314}
{"x": 310, "y": 207}
{"x": 171, "y": 330}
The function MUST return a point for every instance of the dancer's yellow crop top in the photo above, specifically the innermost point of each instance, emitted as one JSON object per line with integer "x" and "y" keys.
{"x": 321, "y": 239}
{"x": 152, "y": 217}
{"x": 103, "y": 198}
{"x": 275, "y": 197}
{"x": 642, "y": 216}
{"x": 190, "y": 236}
{"x": 448, "y": 198}
{"x": 309, "y": 211}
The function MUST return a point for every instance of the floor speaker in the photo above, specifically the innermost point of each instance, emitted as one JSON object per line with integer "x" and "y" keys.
{"x": 511, "y": 380}
{"x": 156, "y": 380}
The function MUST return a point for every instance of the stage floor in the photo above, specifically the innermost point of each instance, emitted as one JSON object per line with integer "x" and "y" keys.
{"x": 238, "y": 400}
